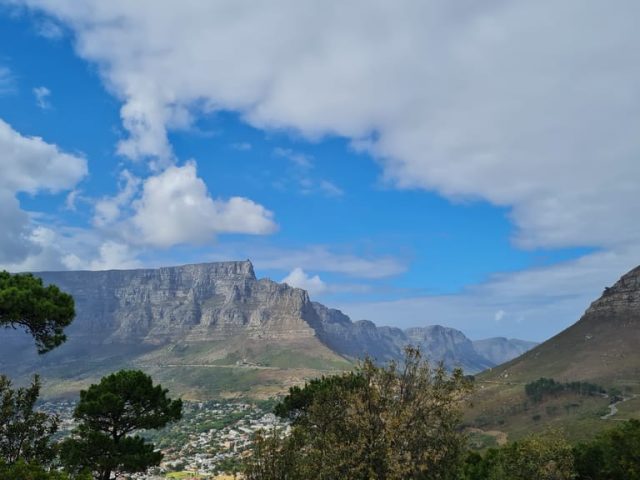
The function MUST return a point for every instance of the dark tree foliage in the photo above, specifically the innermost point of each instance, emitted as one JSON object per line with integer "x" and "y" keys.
{"x": 24, "y": 433}
{"x": 613, "y": 455}
{"x": 108, "y": 413}
{"x": 31, "y": 471}
{"x": 42, "y": 311}
{"x": 395, "y": 422}
{"x": 537, "y": 457}
{"x": 548, "y": 387}
{"x": 295, "y": 406}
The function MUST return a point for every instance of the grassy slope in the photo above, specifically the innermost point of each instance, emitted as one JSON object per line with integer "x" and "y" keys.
{"x": 199, "y": 371}
{"x": 601, "y": 349}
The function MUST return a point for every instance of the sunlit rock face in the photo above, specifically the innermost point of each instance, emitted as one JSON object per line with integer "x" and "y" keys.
{"x": 211, "y": 314}
{"x": 209, "y": 301}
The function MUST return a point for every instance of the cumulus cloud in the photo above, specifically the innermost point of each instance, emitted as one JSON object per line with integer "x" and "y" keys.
{"x": 30, "y": 165}
{"x": 175, "y": 207}
{"x": 108, "y": 209}
{"x": 527, "y": 105}
{"x": 300, "y": 279}
{"x": 42, "y": 95}
{"x": 115, "y": 255}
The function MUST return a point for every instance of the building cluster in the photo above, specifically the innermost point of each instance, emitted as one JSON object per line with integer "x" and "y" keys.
{"x": 210, "y": 441}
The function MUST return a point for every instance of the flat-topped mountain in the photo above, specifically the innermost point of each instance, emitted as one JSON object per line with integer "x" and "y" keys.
{"x": 213, "y": 328}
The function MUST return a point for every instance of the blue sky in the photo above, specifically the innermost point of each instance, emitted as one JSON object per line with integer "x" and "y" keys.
{"x": 486, "y": 183}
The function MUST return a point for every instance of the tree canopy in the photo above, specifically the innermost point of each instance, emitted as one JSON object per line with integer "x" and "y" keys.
{"x": 42, "y": 311}
{"x": 121, "y": 404}
{"x": 395, "y": 422}
{"x": 25, "y": 433}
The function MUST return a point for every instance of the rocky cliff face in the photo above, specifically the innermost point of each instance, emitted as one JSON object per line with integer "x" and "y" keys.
{"x": 213, "y": 316}
{"x": 623, "y": 296}
{"x": 440, "y": 344}
{"x": 203, "y": 302}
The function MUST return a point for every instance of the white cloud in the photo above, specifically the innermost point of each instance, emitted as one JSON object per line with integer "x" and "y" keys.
{"x": 72, "y": 199}
{"x": 29, "y": 164}
{"x": 540, "y": 301}
{"x": 49, "y": 29}
{"x": 175, "y": 207}
{"x": 14, "y": 235}
{"x": 526, "y": 105}
{"x": 322, "y": 259}
{"x": 114, "y": 255}
{"x": 330, "y": 189}
{"x": 299, "y": 279}
{"x": 297, "y": 158}
{"x": 42, "y": 95}
{"x": 108, "y": 209}
{"x": 529, "y": 105}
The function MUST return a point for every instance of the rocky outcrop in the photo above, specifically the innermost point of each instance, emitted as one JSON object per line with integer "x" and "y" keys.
{"x": 623, "y": 296}
{"x": 216, "y": 311}
{"x": 601, "y": 347}
{"x": 202, "y": 302}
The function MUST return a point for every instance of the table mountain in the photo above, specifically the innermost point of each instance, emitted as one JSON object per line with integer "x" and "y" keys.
{"x": 212, "y": 329}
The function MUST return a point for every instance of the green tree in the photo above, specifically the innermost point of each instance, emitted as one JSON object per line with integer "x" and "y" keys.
{"x": 22, "y": 470}
{"x": 538, "y": 457}
{"x": 612, "y": 455}
{"x": 394, "y": 422}
{"x": 108, "y": 413}
{"x": 43, "y": 311}
{"x": 24, "y": 433}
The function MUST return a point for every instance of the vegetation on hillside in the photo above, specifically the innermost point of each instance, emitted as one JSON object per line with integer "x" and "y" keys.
{"x": 393, "y": 422}
{"x": 122, "y": 403}
{"x": 399, "y": 421}
{"x": 548, "y": 387}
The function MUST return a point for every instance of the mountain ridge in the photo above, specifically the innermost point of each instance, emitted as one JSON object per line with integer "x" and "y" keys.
{"x": 216, "y": 315}
{"x": 600, "y": 348}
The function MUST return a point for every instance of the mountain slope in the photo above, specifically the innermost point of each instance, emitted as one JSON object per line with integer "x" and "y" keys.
{"x": 601, "y": 348}
{"x": 213, "y": 329}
